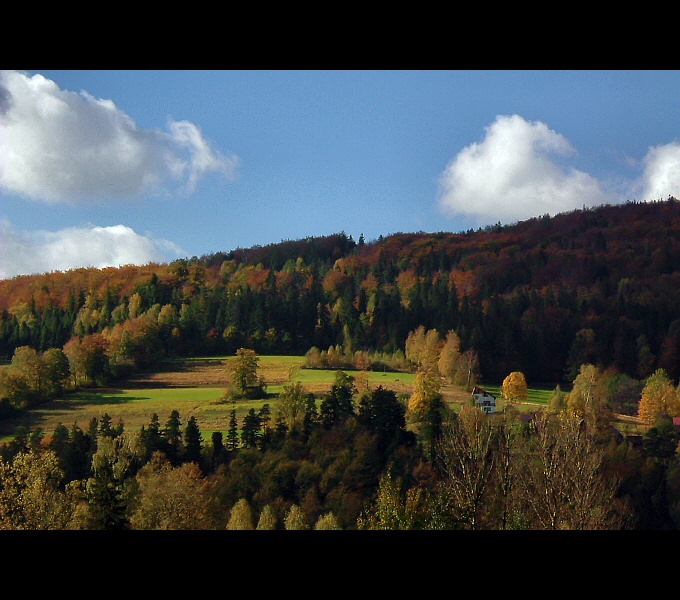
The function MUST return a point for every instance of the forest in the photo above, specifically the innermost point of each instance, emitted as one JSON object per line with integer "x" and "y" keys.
{"x": 585, "y": 302}
{"x": 542, "y": 296}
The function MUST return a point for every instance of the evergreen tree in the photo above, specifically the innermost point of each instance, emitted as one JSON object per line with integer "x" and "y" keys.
{"x": 233, "y": 433}
{"x": 172, "y": 437}
{"x": 251, "y": 430}
{"x": 193, "y": 447}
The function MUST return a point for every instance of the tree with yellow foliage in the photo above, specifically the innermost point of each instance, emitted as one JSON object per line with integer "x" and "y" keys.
{"x": 426, "y": 389}
{"x": 659, "y": 397}
{"x": 515, "y": 387}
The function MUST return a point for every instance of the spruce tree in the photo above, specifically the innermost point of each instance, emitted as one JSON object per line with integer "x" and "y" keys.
{"x": 232, "y": 434}
{"x": 192, "y": 442}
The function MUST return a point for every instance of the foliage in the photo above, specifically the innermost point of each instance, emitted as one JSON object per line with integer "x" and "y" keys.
{"x": 515, "y": 387}
{"x": 659, "y": 397}
{"x": 241, "y": 516}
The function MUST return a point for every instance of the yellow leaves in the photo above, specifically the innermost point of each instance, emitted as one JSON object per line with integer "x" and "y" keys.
{"x": 515, "y": 387}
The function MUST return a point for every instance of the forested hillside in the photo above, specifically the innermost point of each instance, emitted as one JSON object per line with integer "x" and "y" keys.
{"x": 542, "y": 296}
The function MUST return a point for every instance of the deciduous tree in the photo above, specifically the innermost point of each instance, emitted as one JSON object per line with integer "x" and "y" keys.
{"x": 241, "y": 516}
{"x": 659, "y": 397}
{"x": 515, "y": 387}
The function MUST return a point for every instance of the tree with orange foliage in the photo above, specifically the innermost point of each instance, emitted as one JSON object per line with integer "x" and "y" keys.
{"x": 659, "y": 397}
{"x": 515, "y": 387}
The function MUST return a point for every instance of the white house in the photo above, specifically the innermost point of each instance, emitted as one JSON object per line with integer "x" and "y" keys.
{"x": 486, "y": 401}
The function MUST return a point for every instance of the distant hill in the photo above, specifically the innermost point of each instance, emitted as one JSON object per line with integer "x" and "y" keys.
{"x": 543, "y": 296}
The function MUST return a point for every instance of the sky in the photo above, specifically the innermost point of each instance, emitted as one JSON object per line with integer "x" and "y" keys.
{"x": 111, "y": 167}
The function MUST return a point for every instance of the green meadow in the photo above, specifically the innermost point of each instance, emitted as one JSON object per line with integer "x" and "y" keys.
{"x": 171, "y": 389}
{"x": 534, "y": 395}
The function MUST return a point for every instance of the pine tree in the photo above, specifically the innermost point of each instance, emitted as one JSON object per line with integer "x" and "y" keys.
{"x": 172, "y": 437}
{"x": 233, "y": 432}
{"x": 192, "y": 441}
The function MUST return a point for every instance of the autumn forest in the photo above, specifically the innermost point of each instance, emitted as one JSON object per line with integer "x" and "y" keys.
{"x": 585, "y": 303}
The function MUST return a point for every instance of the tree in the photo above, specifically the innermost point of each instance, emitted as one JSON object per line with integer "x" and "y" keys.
{"x": 395, "y": 507}
{"x": 177, "y": 498}
{"x": 515, "y": 387}
{"x": 292, "y": 403}
{"x": 109, "y": 488}
{"x": 327, "y": 521}
{"x": 588, "y": 398}
{"x": 466, "y": 457}
{"x": 295, "y": 519}
{"x": 244, "y": 373}
{"x": 251, "y": 429}
{"x": 233, "y": 432}
{"x": 451, "y": 365}
{"x": 426, "y": 390}
{"x": 659, "y": 397}
{"x": 172, "y": 437}
{"x": 32, "y": 495}
{"x": 267, "y": 519}
{"x": 56, "y": 370}
{"x": 338, "y": 404}
{"x": 381, "y": 413}
{"x": 192, "y": 441}
{"x": 241, "y": 516}
{"x": 561, "y": 478}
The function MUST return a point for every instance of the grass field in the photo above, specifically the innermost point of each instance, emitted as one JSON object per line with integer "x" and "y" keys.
{"x": 534, "y": 395}
{"x": 194, "y": 387}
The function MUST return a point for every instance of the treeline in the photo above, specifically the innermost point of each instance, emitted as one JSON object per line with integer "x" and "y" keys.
{"x": 542, "y": 296}
{"x": 345, "y": 460}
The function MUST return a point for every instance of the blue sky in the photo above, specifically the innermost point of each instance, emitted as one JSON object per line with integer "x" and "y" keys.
{"x": 107, "y": 167}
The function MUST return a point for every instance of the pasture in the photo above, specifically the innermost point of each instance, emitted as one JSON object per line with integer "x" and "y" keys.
{"x": 194, "y": 387}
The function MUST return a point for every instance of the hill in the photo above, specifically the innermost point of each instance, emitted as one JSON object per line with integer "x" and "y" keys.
{"x": 542, "y": 296}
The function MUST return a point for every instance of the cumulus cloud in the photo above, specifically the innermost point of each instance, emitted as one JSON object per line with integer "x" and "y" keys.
{"x": 515, "y": 173}
{"x": 63, "y": 146}
{"x": 661, "y": 173}
{"x": 91, "y": 246}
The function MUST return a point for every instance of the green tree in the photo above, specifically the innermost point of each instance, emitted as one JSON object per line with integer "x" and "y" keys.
{"x": 172, "y": 437}
{"x": 241, "y": 516}
{"x": 109, "y": 488}
{"x": 251, "y": 429}
{"x": 327, "y": 521}
{"x": 267, "y": 519}
{"x": 338, "y": 405}
{"x": 292, "y": 403}
{"x": 395, "y": 507}
{"x": 244, "y": 372}
{"x": 233, "y": 432}
{"x": 32, "y": 495}
{"x": 193, "y": 446}
{"x": 295, "y": 519}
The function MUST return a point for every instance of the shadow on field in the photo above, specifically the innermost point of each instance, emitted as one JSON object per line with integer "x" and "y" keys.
{"x": 37, "y": 415}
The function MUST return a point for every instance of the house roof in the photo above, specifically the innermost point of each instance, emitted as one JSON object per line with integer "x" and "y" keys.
{"x": 478, "y": 390}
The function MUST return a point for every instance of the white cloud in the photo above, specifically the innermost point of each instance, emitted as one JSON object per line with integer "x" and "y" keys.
{"x": 514, "y": 174}
{"x": 661, "y": 174}
{"x": 61, "y": 146}
{"x": 43, "y": 251}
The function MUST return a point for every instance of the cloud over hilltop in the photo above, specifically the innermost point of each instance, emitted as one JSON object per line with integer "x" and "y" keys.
{"x": 520, "y": 170}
